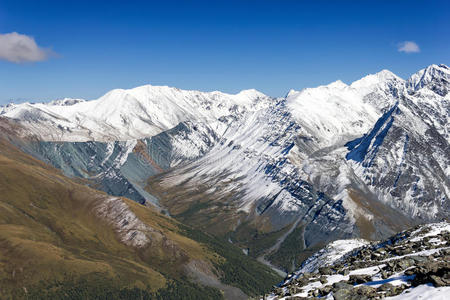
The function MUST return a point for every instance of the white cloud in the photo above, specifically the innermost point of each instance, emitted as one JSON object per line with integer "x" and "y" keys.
{"x": 408, "y": 47}
{"x": 19, "y": 48}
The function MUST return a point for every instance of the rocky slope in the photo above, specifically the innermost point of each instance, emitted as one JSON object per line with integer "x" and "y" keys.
{"x": 271, "y": 175}
{"x": 414, "y": 264}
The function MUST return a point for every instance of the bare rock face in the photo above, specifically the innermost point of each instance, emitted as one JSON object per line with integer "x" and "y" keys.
{"x": 131, "y": 230}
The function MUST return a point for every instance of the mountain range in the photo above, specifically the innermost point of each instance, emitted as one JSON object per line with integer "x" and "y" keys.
{"x": 278, "y": 178}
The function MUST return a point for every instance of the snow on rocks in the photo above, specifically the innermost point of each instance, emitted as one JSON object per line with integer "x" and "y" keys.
{"x": 330, "y": 254}
{"x": 379, "y": 269}
{"x": 430, "y": 231}
{"x": 425, "y": 292}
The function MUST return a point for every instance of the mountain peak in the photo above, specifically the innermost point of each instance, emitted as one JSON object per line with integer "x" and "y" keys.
{"x": 339, "y": 84}
{"x": 387, "y": 75}
{"x": 435, "y": 77}
{"x": 371, "y": 80}
{"x": 251, "y": 93}
{"x": 155, "y": 90}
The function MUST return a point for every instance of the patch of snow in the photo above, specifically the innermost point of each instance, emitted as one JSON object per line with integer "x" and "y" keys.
{"x": 330, "y": 254}
{"x": 434, "y": 230}
{"x": 425, "y": 292}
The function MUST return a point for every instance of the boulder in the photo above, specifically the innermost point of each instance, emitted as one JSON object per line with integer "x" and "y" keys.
{"x": 437, "y": 281}
{"x": 362, "y": 292}
{"x": 404, "y": 264}
{"x": 343, "y": 294}
{"x": 325, "y": 271}
{"x": 358, "y": 279}
{"x": 345, "y": 272}
{"x": 295, "y": 289}
{"x": 341, "y": 285}
{"x": 302, "y": 281}
{"x": 435, "y": 272}
{"x": 365, "y": 291}
{"x": 385, "y": 274}
{"x": 390, "y": 290}
{"x": 325, "y": 290}
{"x": 410, "y": 272}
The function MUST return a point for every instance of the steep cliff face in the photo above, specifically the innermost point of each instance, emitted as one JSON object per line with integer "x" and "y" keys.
{"x": 336, "y": 161}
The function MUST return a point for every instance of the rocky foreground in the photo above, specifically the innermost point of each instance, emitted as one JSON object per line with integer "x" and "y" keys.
{"x": 414, "y": 264}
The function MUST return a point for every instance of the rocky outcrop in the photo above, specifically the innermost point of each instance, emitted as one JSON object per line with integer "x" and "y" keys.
{"x": 131, "y": 230}
{"x": 413, "y": 258}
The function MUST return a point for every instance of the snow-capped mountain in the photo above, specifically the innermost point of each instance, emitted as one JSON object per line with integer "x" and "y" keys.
{"x": 129, "y": 114}
{"x": 435, "y": 78}
{"x": 336, "y": 161}
{"x": 346, "y": 114}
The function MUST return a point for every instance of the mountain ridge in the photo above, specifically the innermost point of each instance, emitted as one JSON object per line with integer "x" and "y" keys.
{"x": 69, "y": 119}
{"x": 324, "y": 163}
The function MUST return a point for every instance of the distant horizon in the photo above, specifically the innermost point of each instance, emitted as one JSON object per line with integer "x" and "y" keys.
{"x": 18, "y": 101}
{"x": 82, "y": 49}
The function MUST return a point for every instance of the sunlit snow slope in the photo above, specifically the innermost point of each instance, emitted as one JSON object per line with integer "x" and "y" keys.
{"x": 128, "y": 114}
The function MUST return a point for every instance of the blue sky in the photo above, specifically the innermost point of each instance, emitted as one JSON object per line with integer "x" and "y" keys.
{"x": 91, "y": 47}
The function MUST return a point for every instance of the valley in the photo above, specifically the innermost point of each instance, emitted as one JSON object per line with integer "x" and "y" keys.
{"x": 159, "y": 190}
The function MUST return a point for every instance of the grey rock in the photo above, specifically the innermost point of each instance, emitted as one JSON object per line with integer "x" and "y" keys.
{"x": 341, "y": 285}
{"x": 358, "y": 279}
